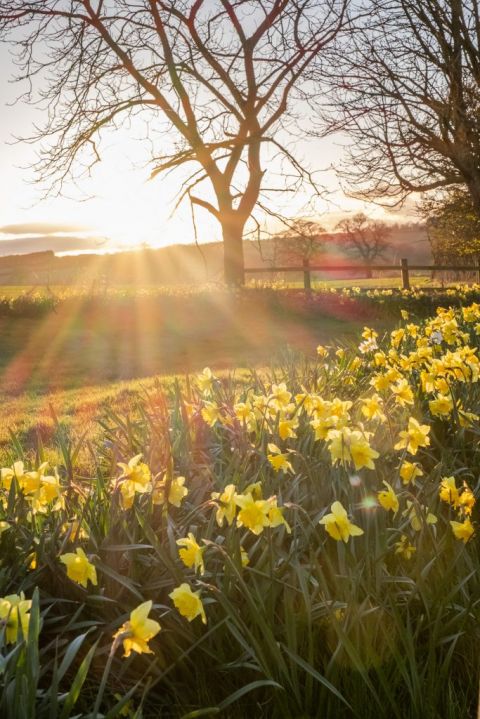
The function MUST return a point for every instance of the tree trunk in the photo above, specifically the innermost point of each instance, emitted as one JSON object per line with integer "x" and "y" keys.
{"x": 233, "y": 259}
{"x": 368, "y": 272}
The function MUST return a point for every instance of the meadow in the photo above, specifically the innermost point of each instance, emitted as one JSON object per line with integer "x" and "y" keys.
{"x": 288, "y": 532}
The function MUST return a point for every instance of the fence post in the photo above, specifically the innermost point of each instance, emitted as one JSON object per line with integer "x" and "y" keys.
{"x": 405, "y": 274}
{"x": 306, "y": 275}
{"x": 478, "y": 272}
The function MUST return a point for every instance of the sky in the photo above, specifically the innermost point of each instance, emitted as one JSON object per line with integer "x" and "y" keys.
{"x": 117, "y": 207}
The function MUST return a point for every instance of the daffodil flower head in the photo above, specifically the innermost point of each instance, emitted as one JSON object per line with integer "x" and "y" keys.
{"x": 463, "y": 531}
{"x": 191, "y": 553}
{"x": 138, "y": 631}
{"x": 338, "y": 525}
{"x": 225, "y": 502}
{"x": 188, "y": 603}
{"x": 14, "y": 611}
{"x": 205, "y": 380}
{"x": 253, "y": 514}
{"x": 278, "y": 459}
{"x": 79, "y": 569}
{"x": 388, "y": 499}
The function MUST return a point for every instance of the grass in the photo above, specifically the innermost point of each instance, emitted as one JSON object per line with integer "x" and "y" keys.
{"x": 311, "y": 626}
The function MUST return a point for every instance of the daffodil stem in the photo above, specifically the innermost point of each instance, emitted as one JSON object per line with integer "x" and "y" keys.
{"x": 106, "y": 672}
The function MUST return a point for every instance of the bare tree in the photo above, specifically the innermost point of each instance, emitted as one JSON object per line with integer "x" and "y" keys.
{"x": 408, "y": 87}
{"x": 364, "y": 238}
{"x": 303, "y": 240}
{"x": 218, "y": 78}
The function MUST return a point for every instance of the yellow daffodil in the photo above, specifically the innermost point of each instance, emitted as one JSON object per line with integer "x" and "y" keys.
{"x": 338, "y": 525}
{"x": 372, "y": 407}
{"x": 138, "y": 631}
{"x": 418, "y": 516}
{"x": 404, "y": 548}
{"x": 191, "y": 553}
{"x": 245, "y": 559}
{"x": 280, "y": 396}
{"x": 403, "y": 392}
{"x": 79, "y": 569}
{"x": 211, "y": 413}
{"x": 388, "y": 499}
{"x": 441, "y": 406}
{"x": 467, "y": 500}
{"x": 226, "y": 505}
{"x": 135, "y": 479}
{"x": 278, "y": 459}
{"x": 414, "y": 437}
{"x": 171, "y": 491}
{"x": 287, "y": 427}
{"x": 275, "y": 515}
{"x": 322, "y": 351}
{"x": 463, "y": 530}
{"x": 74, "y": 530}
{"x": 205, "y": 380}
{"x": 409, "y": 471}
{"x": 351, "y": 445}
{"x": 14, "y": 612}
{"x": 188, "y": 603}
{"x": 253, "y": 513}
{"x": 449, "y": 492}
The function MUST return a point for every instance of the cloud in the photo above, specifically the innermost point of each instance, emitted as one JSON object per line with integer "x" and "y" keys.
{"x": 40, "y": 228}
{"x": 56, "y": 243}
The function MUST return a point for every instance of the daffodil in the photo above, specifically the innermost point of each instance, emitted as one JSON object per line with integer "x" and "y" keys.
{"x": 191, "y": 553}
{"x": 373, "y": 407}
{"x": 79, "y": 569}
{"x": 169, "y": 490}
{"x": 211, "y": 413}
{"x": 403, "y": 392}
{"x": 244, "y": 558}
{"x": 134, "y": 479}
{"x": 388, "y": 499}
{"x": 275, "y": 515}
{"x": 278, "y": 459}
{"x": 253, "y": 513}
{"x": 463, "y": 530}
{"x": 188, "y": 603}
{"x": 409, "y": 471}
{"x": 14, "y": 612}
{"x": 441, "y": 406}
{"x": 418, "y": 516}
{"x": 449, "y": 492}
{"x": 414, "y": 437}
{"x": 467, "y": 500}
{"x": 351, "y": 445}
{"x": 138, "y": 631}
{"x": 338, "y": 525}
{"x": 205, "y": 380}
{"x": 225, "y": 502}
{"x": 404, "y": 547}
{"x": 280, "y": 396}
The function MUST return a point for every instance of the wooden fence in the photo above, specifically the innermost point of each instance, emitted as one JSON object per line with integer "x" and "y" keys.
{"x": 404, "y": 268}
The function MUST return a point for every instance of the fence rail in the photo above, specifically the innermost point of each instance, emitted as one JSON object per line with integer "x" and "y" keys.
{"x": 403, "y": 267}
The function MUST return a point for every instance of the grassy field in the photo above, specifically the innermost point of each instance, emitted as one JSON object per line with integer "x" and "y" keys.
{"x": 298, "y": 541}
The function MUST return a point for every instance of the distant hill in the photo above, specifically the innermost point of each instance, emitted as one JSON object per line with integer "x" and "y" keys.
{"x": 180, "y": 264}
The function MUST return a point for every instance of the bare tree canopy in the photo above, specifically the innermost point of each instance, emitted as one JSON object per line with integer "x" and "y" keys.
{"x": 216, "y": 77}
{"x": 408, "y": 89}
{"x": 304, "y": 239}
{"x": 364, "y": 238}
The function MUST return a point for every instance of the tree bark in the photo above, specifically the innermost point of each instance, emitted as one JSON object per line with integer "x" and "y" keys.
{"x": 233, "y": 258}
